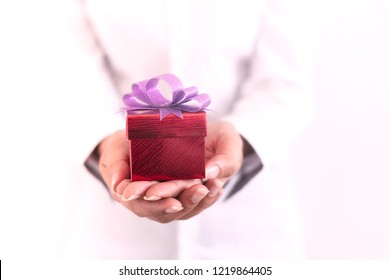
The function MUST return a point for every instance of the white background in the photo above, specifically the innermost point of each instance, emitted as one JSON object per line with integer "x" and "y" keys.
{"x": 340, "y": 163}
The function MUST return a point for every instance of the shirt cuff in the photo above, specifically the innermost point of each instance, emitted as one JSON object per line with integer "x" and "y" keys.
{"x": 251, "y": 166}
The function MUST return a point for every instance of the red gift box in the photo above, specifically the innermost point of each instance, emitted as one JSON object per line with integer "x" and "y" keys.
{"x": 167, "y": 149}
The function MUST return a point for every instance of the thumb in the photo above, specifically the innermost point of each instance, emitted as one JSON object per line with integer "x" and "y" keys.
{"x": 114, "y": 160}
{"x": 228, "y": 155}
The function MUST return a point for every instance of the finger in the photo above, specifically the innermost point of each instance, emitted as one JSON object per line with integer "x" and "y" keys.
{"x": 214, "y": 186}
{"x": 189, "y": 200}
{"x": 215, "y": 191}
{"x": 169, "y": 189}
{"x": 133, "y": 190}
{"x": 114, "y": 160}
{"x": 156, "y": 210}
{"x": 191, "y": 197}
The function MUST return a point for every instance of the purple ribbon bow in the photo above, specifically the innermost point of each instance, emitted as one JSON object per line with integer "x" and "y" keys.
{"x": 146, "y": 95}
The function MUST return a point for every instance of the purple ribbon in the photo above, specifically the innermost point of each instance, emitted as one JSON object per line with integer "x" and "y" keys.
{"x": 146, "y": 95}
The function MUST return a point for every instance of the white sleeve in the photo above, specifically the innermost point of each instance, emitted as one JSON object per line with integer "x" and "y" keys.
{"x": 86, "y": 98}
{"x": 274, "y": 103}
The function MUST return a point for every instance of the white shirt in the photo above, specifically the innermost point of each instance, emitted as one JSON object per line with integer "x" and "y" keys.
{"x": 249, "y": 56}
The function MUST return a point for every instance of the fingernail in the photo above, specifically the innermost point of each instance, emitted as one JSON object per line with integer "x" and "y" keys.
{"x": 173, "y": 209}
{"x": 214, "y": 190}
{"x": 212, "y": 172}
{"x": 113, "y": 181}
{"x": 131, "y": 197}
{"x": 199, "y": 195}
{"x": 152, "y": 198}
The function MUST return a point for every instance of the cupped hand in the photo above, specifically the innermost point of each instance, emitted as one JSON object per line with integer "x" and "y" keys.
{"x": 177, "y": 199}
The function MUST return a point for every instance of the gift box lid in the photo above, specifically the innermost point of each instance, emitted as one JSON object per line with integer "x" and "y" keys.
{"x": 149, "y": 125}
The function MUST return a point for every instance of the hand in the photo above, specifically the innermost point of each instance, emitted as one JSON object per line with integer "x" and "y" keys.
{"x": 178, "y": 199}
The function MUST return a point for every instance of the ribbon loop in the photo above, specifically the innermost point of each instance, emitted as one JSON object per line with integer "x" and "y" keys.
{"x": 146, "y": 95}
